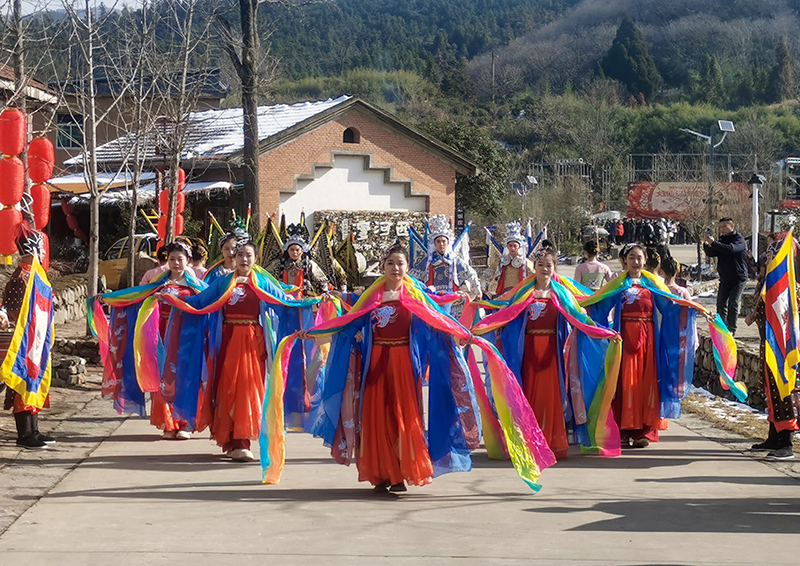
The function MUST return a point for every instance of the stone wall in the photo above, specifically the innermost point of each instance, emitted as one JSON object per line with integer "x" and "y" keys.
{"x": 748, "y": 370}
{"x": 373, "y": 231}
{"x": 70, "y": 298}
{"x": 86, "y": 348}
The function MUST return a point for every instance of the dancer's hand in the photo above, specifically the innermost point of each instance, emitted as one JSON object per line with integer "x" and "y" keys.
{"x": 303, "y": 335}
{"x": 3, "y": 319}
{"x": 750, "y": 318}
{"x": 359, "y": 337}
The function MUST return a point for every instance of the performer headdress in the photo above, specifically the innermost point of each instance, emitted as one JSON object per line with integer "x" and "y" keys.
{"x": 514, "y": 233}
{"x": 29, "y": 241}
{"x": 296, "y": 235}
{"x": 439, "y": 226}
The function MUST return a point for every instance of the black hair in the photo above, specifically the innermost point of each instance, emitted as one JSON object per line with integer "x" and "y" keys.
{"x": 669, "y": 266}
{"x": 226, "y": 238}
{"x": 627, "y": 248}
{"x": 547, "y": 244}
{"x": 178, "y": 247}
{"x": 652, "y": 259}
{"x": 543, "y": 251}
{"x": 396, "y": 249}
{"x": 162, "y": 254}
{"x": 726, "y": 219}
{"x": 243, "y": 243}
{"x": 590, "y": 247}
{"x": 199, "y": 253}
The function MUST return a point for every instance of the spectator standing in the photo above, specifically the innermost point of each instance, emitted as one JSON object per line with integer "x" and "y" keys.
{"x": 731, "y": 251}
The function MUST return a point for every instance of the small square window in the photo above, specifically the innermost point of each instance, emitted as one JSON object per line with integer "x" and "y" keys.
{"x": 69, "y": 134}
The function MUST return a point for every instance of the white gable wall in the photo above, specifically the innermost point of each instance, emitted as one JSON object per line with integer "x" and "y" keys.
{"x": 347, "y": 186}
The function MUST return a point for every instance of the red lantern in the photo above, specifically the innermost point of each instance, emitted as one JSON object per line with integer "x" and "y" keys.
{"x": 12, "y": 131}
{"x": 163, "y": 202}
{"x": 65, "y": 207}
{"x": 72, "y": 222}
{"x": 162, "y": 226}
{"x": 41, "y": 160}
{"x": 41, "y": 205}
{"x": 81, "y": 235}
{"x": 178, "y": 224}
{"x": 181, "y": 179}
{"x": 10, "y": 219}
{"x": 45, "y": 251}
{"x": 12, "y": 180}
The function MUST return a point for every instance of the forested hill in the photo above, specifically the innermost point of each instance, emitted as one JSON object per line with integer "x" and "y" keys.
{"x": 333, "y": 37}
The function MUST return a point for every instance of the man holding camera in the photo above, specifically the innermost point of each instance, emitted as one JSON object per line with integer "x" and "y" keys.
{"x": 731, "y": 251}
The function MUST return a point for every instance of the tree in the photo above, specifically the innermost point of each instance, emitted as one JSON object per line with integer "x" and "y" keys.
{"x": 710, "y": 87}
{"x": 629, "y": 61}
{"x": 781, "y": 81}
{"x": 482, "y": 192}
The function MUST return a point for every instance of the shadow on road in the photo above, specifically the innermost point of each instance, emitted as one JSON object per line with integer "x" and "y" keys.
{"x": 735, "y": 515}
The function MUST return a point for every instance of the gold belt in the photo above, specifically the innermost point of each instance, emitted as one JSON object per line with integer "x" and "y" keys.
{"x": 539, "y": 331}
{"x": 637, "y": 318}
{"x": 378, "y": 342}
{"x": 244, "y": 321}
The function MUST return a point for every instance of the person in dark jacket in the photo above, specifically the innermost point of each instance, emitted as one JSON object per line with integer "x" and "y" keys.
{"x": 731, "y": 251}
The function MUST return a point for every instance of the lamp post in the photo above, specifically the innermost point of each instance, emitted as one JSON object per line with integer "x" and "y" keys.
{"x": 726, "y": 127}
{"x": 755, "y": 182}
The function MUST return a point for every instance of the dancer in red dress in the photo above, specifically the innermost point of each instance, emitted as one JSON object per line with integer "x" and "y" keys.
{"x": 178, "y": 261}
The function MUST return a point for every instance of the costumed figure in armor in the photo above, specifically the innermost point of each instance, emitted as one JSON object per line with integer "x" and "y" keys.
{"x": 443, "y": 269}
{"x": 28, "y": 305}
{"x": 514, "y": 264}
{"x": 296, "y": 268}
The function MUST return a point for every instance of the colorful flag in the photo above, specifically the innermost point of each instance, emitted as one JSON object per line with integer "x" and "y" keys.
{"x": 27, "y": 366}
{"x": 780, "y": 298}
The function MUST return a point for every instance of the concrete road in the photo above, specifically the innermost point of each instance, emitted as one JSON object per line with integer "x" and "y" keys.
{"x": 139, "y": 500}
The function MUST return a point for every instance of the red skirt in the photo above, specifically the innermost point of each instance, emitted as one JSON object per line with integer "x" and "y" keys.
{"x": 637, "y": 403}
{"x": 239, "y": 385}
{"x": 540, "y": 384}
{"x": 393, "y": 447}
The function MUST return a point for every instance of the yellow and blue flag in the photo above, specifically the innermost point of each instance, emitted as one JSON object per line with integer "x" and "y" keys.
{"x": 27, "y": 366}
{"x": 780, "y": 299}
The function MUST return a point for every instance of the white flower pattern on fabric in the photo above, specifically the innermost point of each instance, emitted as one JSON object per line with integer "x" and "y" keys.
{"x": 631, "y": 295}
{"x": 237, "y": 295}
{"x": 382, "y": 316}
{"x": 536, "y": 309}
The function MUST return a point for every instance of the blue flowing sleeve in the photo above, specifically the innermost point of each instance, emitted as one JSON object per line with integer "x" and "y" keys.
{"x": 675, "y": 358}
{"x": 327, "y": 418}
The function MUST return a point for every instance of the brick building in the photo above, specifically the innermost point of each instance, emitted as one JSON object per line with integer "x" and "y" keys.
{"x": 338, "y": 154}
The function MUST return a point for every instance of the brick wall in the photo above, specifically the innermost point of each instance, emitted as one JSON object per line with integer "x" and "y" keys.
{"x": 430, "y": 176}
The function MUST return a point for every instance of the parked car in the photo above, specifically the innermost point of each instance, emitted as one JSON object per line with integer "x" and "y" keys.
{"x": 114, "y": 262}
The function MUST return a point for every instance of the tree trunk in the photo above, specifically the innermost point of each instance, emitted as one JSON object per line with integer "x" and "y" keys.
{"x": 248, "y": 76}
{"x": 90, "y": 150}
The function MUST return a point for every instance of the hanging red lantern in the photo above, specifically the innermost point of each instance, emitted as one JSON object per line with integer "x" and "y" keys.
{"x": 162, "y": 226}
{"x": 41, "y": 159}
{"x": 45, "y": 251}
{"x": 12, "y": 180}
{"x": 12, "y": 131}
{"x": 81, "y": 235}
{"x": 65, "y": 207}
{"x": 10, "y": 218}
{"x": 41, "y": 205}
{"x": 163, "y": 202}
{"x": 178, "y": 224}
{"x": 72, "y": 222}
{"x": 181, "y": 179}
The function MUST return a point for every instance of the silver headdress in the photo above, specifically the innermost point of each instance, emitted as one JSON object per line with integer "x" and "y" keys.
{"x": 514, "y": 233}
{"x": 296, "y": 235}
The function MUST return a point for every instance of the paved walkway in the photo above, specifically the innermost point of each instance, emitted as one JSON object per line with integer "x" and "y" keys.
{"x": 138, "y": 500}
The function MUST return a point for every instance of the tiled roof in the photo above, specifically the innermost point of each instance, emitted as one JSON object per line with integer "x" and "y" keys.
{"x": 218, "y": 134}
